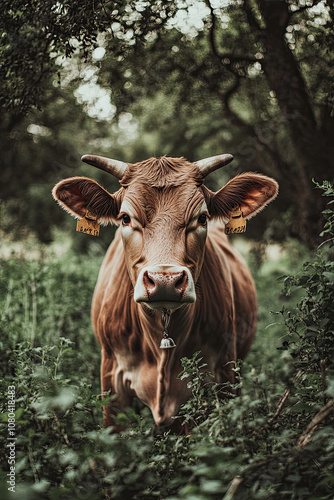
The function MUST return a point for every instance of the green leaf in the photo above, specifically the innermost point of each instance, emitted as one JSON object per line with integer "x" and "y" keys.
{"x": 211, "y": 486}
{"x": 41, "y": 487}
{"x": 327, "y": 211}
{"x": 329, "y": 275}
{"x": 330, "y": 387}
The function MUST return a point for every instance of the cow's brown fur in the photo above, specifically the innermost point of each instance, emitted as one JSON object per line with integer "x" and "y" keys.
{"x": 165, "y": 193}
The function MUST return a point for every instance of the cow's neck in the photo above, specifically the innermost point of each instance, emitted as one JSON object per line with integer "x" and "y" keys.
{"x": 179, "y": 328}
{"x": 164, "y": 391}
{"x": 158, "y": 368}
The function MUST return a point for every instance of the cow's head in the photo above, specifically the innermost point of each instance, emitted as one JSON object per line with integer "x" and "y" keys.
{"x": 163, "y": 208}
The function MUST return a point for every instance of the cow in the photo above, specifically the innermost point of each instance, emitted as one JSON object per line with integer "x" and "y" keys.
{"x": 170, "y": 257}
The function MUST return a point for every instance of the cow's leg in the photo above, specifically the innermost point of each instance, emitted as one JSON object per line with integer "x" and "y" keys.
{"x": 106, "y": 386}
{"x": 224, "y": 370}
{"x": 110, "y": 410}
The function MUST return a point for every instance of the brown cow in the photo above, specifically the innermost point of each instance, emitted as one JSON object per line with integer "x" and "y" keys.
{"x": 169, "y": 253}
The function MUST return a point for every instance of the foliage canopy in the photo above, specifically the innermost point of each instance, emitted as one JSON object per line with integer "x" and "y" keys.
{"x": 252, "y": 77}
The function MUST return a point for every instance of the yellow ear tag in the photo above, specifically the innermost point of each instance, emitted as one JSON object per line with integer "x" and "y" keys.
{"x": 237, "y": 223}
{"x": 89, "y": 224}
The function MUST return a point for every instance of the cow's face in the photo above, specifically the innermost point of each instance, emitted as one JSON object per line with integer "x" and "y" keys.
{"x": 164, "y": 231}
{"x": 163, "y": 209}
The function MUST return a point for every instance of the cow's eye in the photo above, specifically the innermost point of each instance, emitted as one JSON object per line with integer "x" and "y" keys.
{"x": 202, "y": 219}
{"x": 126, "y": 219}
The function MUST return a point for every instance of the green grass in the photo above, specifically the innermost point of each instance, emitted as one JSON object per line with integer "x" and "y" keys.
{"x": 42, "y": 301}
{"x": 51, "y": 356}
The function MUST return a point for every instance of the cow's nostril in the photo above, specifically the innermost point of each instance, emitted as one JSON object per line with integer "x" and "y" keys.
{"x": 181, "y": 282}
{"x": 165, "y": 284}
{"x": 148, "y": 281}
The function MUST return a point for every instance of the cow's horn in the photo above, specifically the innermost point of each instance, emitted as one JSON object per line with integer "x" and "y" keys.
{"x": 211, "y": 164}
{"x": 113, "y": 167}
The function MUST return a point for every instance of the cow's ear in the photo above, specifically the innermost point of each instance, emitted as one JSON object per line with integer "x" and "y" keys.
{"x": 252, "y": 192}
{"x": 77, "y": 194}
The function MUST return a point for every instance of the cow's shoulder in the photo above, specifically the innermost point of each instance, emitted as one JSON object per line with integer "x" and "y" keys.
{"x": 113, "y": 288}
{"x": 218, "y": 244}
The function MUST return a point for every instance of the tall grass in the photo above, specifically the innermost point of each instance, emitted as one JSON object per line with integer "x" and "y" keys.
{"x": 244, "y": 447}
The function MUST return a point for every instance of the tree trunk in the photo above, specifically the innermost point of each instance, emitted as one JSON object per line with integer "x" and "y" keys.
{"x": 315, "y": 156}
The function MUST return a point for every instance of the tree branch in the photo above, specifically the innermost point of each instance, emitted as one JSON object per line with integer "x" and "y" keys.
{"x": 275, "y": 14}
{"x": 303, "y": 8}
{"x": 281, "y": 404}
{"x": 303, "y": 441}
{"x": 232, "y": 489}
{"x": 252, "y": 21}
{"x": 227, "y": 55}
{"x": 249, "y": 129}
{"x": 320, "y": 417}
{"x": 283, "y": 400}
{"x": 212, "y": 30}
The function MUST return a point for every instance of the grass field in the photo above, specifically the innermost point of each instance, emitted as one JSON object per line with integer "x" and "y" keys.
{"x": 49, "y": 353}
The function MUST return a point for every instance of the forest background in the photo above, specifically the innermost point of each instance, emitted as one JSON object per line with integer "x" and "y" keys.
{"x": 130, "y": 79}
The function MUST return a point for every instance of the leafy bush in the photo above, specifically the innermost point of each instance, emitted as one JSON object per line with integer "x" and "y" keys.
{"x": 274, "y": 441}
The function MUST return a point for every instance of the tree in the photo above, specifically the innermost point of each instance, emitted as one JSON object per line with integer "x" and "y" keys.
{"x": 260, "y": 70}
{"x": 253, "y": 77}
{"x": 44, "y": 130}
{"x": 35, "y": 33}
{"x": 40, "y": 149}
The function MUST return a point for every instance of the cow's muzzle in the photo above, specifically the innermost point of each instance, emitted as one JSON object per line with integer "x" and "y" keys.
{"x": 165, "y": 286}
